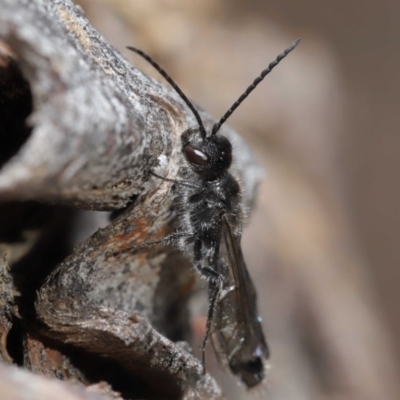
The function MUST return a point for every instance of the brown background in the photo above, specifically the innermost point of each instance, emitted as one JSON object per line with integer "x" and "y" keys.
{"x": 323, "y": 244}
{"x": 364, "y": 38}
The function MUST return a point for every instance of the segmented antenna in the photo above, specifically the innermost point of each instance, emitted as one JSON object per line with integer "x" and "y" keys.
{"x": 263, "y": 74}
{"x": 174, "y": 85}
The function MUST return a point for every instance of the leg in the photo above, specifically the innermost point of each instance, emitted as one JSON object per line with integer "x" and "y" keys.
{"x": 178, "y": 182}
{"x": 216, "y": 283}
{"x": 167, "y": 240}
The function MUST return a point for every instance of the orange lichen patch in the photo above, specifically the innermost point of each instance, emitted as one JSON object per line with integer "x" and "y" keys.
{"x": 42, "y": 359}
{"x": 138, "y": 235}
{"x": 75, "y": 27}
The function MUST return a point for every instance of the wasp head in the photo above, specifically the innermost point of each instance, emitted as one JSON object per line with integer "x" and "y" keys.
{"x": 209, "y": 156}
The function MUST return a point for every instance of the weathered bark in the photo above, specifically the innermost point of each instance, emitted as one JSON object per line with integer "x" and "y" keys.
{"x": 17, "y": 384}
{"x": 7, "y": 308}
{"x": 99, "y": 124}
{"x": 83, "y": 129}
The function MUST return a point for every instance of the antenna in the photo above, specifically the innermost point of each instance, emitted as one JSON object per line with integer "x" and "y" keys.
{"x": 174, "y": 85}
{"x": 263, "y": 74}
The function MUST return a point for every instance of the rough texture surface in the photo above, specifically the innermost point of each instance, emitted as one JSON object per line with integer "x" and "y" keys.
{"x": 81, "y": 127}
{"x": 7, "y": 308}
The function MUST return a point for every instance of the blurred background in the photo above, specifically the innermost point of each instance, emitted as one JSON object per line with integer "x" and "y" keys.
{"x": 322, "y": 242}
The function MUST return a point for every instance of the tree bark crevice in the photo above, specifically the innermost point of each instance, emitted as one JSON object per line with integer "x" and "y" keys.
{"x": 87, "y": 129}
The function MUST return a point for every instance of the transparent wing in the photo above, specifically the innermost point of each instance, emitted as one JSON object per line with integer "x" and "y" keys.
{"x": 237, "y": 332}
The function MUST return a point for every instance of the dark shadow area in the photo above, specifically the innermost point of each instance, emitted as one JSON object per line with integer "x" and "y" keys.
{"x": 52, "y": 226}
{"x": 171, "y": 314}
{"x": 15, "y": 106}
{"x": 92, "y": 368}
{"x": 38, "y": 239}
{"x": 131, "y": 385}
{"x": 46, "y": 232}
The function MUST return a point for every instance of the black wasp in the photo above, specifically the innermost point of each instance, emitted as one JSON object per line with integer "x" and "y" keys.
{"x": 210, "y": 225}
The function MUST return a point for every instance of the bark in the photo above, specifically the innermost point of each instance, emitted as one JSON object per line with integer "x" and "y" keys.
{"x": 81, "y": 127}
{"x": 17, "y": 384}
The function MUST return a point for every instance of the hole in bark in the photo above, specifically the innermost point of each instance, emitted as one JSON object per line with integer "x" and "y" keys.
{"x": 117, "y": 213}
{"x": 14, "y": 342}
{"x": 146, "y": 384}
{"x": 15, "y": 107}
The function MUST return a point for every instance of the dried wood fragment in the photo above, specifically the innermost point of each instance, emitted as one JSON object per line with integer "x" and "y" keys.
{"x": 83, "y": 129}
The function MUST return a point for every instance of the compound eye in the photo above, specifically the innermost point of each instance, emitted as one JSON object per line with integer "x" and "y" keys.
{"x": 195, "y": 156}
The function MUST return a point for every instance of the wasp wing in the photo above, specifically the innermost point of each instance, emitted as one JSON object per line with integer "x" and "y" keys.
{"x": 237, "y": 332}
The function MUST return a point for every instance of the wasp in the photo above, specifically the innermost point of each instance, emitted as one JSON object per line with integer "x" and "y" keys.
{"x": 210, "y": 219}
